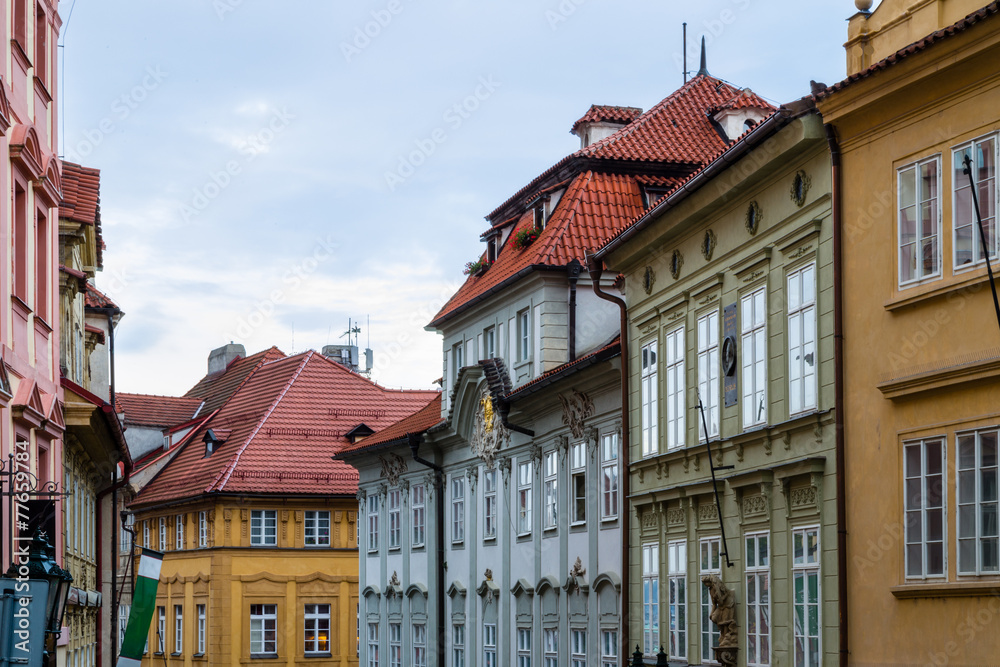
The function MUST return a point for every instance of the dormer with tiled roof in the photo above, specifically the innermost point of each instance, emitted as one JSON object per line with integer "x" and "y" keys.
{"x": 602, "y": 121}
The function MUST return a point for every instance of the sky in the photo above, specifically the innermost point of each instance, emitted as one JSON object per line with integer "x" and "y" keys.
{"x": 271, "y": 171}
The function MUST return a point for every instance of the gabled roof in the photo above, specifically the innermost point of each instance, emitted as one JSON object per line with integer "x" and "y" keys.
{"x": 426, "y": 417}
{"x": 603, "y": 353}
{"x": 600, "y": 113}
{"x": 216, "y": 388}
{"x": 285, "y": 421}
{"x": 156, "y": 411}
{"x": 81, "y": 200}
{"x": 97, "y": 299}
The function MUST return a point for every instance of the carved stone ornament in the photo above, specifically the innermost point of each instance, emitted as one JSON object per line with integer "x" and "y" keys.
{"x": 753, "y": 216}
{"x": 489, "y": 591}
{"x": 393, "y": 466}
{"x": 648, "y": 279}
{"x": 488, "y": 574}
{"x": 488, "y": 435}
{"x": 708, "y": 244}
{"x": 676, "y": 262}
{"x": 708, "y": 513}
{"x": 675, "y": 516}
{"x": 804, "y": 496}
{"x": 576, "y": 409}
{"x": 578, "y": 570}
{"x": 800, "y": 186}
{"x": 723, "y": 610}
{"x": 754, "y": 505}
{"x": 394, "y": 580}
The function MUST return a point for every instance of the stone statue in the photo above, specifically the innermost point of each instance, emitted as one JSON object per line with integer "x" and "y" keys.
{"x": 723, "y": 610}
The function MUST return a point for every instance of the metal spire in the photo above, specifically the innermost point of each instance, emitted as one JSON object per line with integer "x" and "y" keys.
{"x": 704, "y": 68}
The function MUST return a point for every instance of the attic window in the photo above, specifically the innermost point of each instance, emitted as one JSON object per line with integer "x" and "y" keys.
{"x": 539, "y": 216}
{"x": 212, "y": 442}
{"x": 749, "y": 124}
{"x": 491, "y": 249}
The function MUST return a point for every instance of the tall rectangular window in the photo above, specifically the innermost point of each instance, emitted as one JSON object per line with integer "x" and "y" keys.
{"x": 977, "y": 503}
{"x": 758, "y": 597}
{"x": 550, "y": 647}
{"x": 578, "y": 479}
{"x": 650, "y": 598}
{"x": 202, "y": 623}
{"x": 578, "y": 647}
{"x": 317, "y": 527}
{"x": 551, "y": 489}
{"x": 263, "y": 528}
{"x": 708, "y": 564}
{"x": 649, "y": 405}
{"x": 419, "y": 645}
{"x": 524, "y": 335}
{"x": 924, "y": 489}
{"x": 41, "y": 45}
{"x": 316, "y": 619}
{"x": 708, "y": 372}
{"x": 754, "y": 358}
{"x": 145, "y": 533}
{"x": 968, "y": 243}
{"x": 675, "y": 388}
{"x": 490, "y": 504}
{"x": 202, "y": 529}
{"x": 919, "y": 221}
{"x": 178, "y": 628}
{"x": 609, "y": 476}
{"x": 122, "y": 623}
{"x": 801, "y": 298}
{"x": 395, "y": 645}
{"x": 677, "y": 598}
{"x": 179, "y": 532}
{"x": 125, "y": 534}
{"x": 806, "y": 594}
{"x": 373, "y": 522}
{"x": 458, "y": 645}
{"x": 41, "y": 265}
{"x": 161, "y": 629}
{"x": 417, "y": 509}
{"x": 524, "y": 498}
{"x": 263, "y": 629}
{"x": 457, "y": 508}
{"x": 457, "y": 359}
{"x": 395, "y": 529}
{"x": 490, "y": 343}
{"x": 163, "y": 533}
{"x": 373, "y": 645}
{"x": 489, "y": 645}
{"x": 523, "y": 647}
{"x": 609, "y": 648}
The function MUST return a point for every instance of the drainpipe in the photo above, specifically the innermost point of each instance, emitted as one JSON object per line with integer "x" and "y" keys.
{"x": 573, "y": 269}
{"x": 503, "y": 409}
{"x": 113, "y": 490}
{"x": 414, "y": 440}
{"x": 838, "y": 356}
{"x": 596, "y": 269}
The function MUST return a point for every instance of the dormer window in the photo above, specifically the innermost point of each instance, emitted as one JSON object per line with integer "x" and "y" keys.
{"x": 213, "y": 439}
{"x": 539, "y": 216}
{"x": 359, "y": 432}
{"x": 491, "y": 249}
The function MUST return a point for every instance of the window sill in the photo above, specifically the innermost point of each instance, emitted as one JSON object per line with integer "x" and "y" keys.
{"x": 317, "y": 546}
{"x": 198, "y": 656}
{"x": 176, "y": 654}
{"x": 578, "y": 526}
{"x": 394, "y": 549}
{"x": 550, "y": 529}
{"x": 417, "y": 547}
{"x": 492, "y": 539}
{"x": 458, "y": 545}
{"x": 263, "y": 656}
{"x": 947, "y": 589}
{"x": 318, "y": 655}
{"x": 523, "y": 537}
{"x": 609, "y": 521}
{"x": 906, "y": 296}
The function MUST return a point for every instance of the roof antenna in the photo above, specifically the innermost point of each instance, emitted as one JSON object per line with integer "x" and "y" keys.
{"x": 685, "y": 50}
{"x": 704, "y": 68}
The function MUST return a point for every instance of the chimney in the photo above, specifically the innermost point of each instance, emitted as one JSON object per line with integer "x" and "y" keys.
{"x": 220, "y": 358}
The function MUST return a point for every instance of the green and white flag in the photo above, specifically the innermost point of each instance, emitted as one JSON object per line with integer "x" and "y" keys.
{"x": 143, "y": 603}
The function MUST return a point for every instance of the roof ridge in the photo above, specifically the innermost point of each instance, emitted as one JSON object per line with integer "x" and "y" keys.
{"x": 236, "y": 457}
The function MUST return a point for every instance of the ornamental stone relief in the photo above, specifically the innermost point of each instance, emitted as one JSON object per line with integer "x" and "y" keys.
{"x": 649, "y": 521}
{"x": 489, "y": 435}
{"x": 393, "y": 466}
{"x": 675, "y": 516}
{"x": 754, "y": 505}
{"x": 708, "y": 513}
{"x": 804, "y": 496}
{"x": 576, "y": 409}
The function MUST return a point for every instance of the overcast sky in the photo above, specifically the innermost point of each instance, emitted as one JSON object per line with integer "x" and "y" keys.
{"x": 271, "y": 169}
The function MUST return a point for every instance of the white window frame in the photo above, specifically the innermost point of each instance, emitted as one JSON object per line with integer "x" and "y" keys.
{"x": 457, "y": 359}
{"x": 202, "y": 529}
{"x": 609, "y": 477}
{"x": 550, "y": 490}
{"x": 674, "y": 350}
{"x": 145, "y": 533}
{"x": 677, "y": 621}
{"x": 578, "y": 647}
{"x": 609, "y": 648}
{"x": 758, "y": 573}
{"x": 550, "y": 647}
{"x": 490, "y": 343}
{"x": 524, "y": 335}
{"x": 753, "y": 357}
{"x": 394, "y": 501}
{"x": 978, "y": 500}
{"x": 123, "y": 611}
{"x": 163, "y": 533}
{"x": 457, "y": 509}
{"x": 419, "y": 645}
{"x": 710, "y": 562}
{"x": 919, "y": 241}
{"x": 649, "y": 406}
{"x": 202, "y": 627}
{"x": 314, "y": 616}
{"x": 458, "y": 645}
{"x": 807, "y": 613}
{"x": 373, "y": 645}
{"x": 125, "y": 541}
{"x": 489, "y": 645}
{"x": 489, "y": 504}
{"x": 179, "y": 532}
{"x": 161, "y": 629}
{"x": 650, "y": 598}
{"x": 525, "y": 472}
{"x": 524, "y": 647}
{"x": 709, "y": 386}
{"x": 178, "y": 628}
{"x": 578, "y": 483}
{"x": 373, "y": 522}
{"x": 960, "y": 184}
{"x": 802, "y": 339}
{"x": 263, "y": 528}
{"x": 921, "y": 512}
{"x": 265, "y": 617}
{"x": 395, "y": 644}
{"x": 418, "y": 511}
{"x": 314, "y": 525}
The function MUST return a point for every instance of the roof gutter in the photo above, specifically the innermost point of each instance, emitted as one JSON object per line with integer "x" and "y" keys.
{"x": 414, "y": 440}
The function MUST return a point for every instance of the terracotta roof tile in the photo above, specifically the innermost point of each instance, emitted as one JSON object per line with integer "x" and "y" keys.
{"x": 608, "y": 351}
{"x": 81, "y": 199}
{"x": 216, "y": 388}
{"x": 421, "y": 420}
{"x": 158, "y": 411}
{"x": 97, "y": 299}
{"x": 599, "y": 113}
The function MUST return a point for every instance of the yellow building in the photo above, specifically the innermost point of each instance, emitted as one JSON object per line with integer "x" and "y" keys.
{"x": 921, "y": 338}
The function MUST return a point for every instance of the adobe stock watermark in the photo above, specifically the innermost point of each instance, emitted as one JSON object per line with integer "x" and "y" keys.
{"x": 121, "y": 108}
{"x": 365, "y": 34}
{"x": 223, "y": 7}
{"x": 562, "y": 12}
{"x": 221, "y": 178}
{"x": 454, "y": 116}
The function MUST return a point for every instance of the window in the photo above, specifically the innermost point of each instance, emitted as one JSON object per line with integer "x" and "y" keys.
{"x": 550, "y": 652}
{"x": 524, "y": 335}
{"x": 263, "y": 629}
{"x": 708, "y": 372}
{"x": 677, "y": 599}
{"x": 523, "y": 647}
{"x": 551, "y": 489}
{"x": 458, "y": 645}
{"x": 263, "y": 528}
{"x": 457, "y": 509}
{"x": 609, "y": 476}
{"x": 418, "y": 514}
{"x": 490, "y": 504}
{"x": 524, "y": 498}
{"x": 923, "y": 479}
{"x": 650, "y": 444}
{"x": 802, "y": 339}
{"x": 578, "y": 468}
{"x": 317, "y": 527}
{"x": 806, "y": 587}
{"x": 490, "y": 343}
{"x": 977, "y": 503}
{"x": 675, "y": 388}
{"x": 457, "y": 360}
{"x": 202, "y": 529}
{"x": 145, "y": 533}
{"x": 122, "y": 624}
{"x": 754, "y": 358}
{"x": 178, "y": 628}
{"x": 373, "y": 645}
{"x": 395, "y": 529}
{"x": 317, "y": 628}
{"x": 609, "y": 648}
{"x": 758, "y": 597}
{"x": 968, "y": 243}
{"x": 179, "y": 532}
{"x": 650, "y": 598}
{"x": 125, "y": 534}
{"x": 919, "y": 221}
{"x": 163, "y": 533}
{"x": 578, "y": 648}
{"x": 373, "y": 523}
{"x": 419, "y": 645}
{"x": 41, "y": 44}
{"x": 708, "y": 564}
{"x": 489, "y": 645}
{"x": 41, "y": 264}
{"x": 202, "y": 622}
{"x": 161, "y": 629}
{"x": 395, "y": 644}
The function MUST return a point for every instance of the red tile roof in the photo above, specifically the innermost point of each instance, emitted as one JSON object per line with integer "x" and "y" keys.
{"x": 421, "y": 420}
{"x": 746, "y": 99}
{"x": 89, "y": 328}
{"x": 157, "y": 411}
{"x": 599, "y": 113}
{"x": 97, "y": 299}
{"x": 285, "y": 421}
{"x": 81, "y": 199}
{"x": 216, "y": 388}
{"x": 603, "y": 353}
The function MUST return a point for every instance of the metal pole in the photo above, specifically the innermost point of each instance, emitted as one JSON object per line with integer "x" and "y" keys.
{"x": 982, "y": 234}
{"x": 715, "y": 485}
